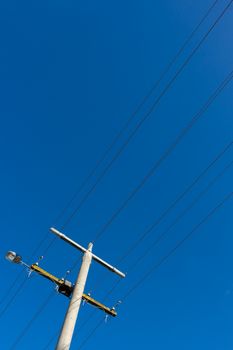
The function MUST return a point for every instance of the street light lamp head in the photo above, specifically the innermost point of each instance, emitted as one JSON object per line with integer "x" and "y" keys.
{"x": 13, "y": 257}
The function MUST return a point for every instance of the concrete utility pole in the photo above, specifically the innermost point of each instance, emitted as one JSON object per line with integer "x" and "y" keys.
{"x": 66, "y": 335}
{"x": 65, "y": 338}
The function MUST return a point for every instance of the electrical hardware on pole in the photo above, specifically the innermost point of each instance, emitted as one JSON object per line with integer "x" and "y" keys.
{"x": 73, "y": 291}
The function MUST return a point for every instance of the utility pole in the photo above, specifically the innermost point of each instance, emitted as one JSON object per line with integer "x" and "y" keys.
{"x": 65, "y": 338}
{"x": 66, "y": 288}
{"x": 66, "y": 334}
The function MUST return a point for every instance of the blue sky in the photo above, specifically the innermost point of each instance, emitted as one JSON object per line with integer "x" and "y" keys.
{"x": 71, "y": 75}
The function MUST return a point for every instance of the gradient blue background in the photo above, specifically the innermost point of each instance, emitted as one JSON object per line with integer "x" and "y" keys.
{"x": 71, "y": 74}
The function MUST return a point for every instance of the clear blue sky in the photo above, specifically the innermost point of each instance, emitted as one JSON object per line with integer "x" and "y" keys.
{"x": 71, "y": 74}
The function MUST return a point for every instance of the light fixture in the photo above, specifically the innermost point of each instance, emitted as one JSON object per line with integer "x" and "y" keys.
{"x": 13, "y": 257}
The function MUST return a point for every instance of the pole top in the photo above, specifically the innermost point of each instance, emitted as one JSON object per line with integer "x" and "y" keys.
{"x": 90, "y": 246}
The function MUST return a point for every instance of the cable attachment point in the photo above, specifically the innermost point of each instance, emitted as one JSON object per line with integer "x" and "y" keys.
{"x": 116, "y": 305}
{"x": 66, "y": 274}
{"x": 40, "y": 258}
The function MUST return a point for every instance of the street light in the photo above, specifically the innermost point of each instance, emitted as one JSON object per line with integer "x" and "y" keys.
{"x": 13, "y": 257}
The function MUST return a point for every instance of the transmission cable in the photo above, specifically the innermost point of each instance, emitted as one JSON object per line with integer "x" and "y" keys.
{"x": 138, "y": 108}
{"x": 178, "y": 245}
{"x": 146, "y": 116}
{"x": 196, "y": 117}
{"x": 174, "y": 203}
{"x": 182, "y": 214}
{"x": 165, "y": 155}
{"x": 173, "y": 224}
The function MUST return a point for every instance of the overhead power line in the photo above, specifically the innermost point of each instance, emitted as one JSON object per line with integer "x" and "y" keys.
{"x": 165, "y": 155}
{"x": 147, "y": 115}
{"x": 175, "y": 202}
{"x": 137, "y": 109}
{"x": 171, "y": 226}
{"x": 178, "y": 245}
{"x": 182, "y": 214}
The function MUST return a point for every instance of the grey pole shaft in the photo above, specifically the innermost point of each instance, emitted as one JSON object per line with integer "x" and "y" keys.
{"x": 65, "y": 338}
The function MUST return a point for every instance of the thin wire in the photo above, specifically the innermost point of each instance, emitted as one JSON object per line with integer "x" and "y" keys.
{"x": 181, "y": 215}
{"x": 175, "y": 202}
{"x": 171, "y": 147}
{"x": 146, "y": 116}
{"x": 178, "y": 218}
{"x": 138, "y": 108}
{"x": 167, "y": 152}
{"x": 210, "y": 100}
{"x": 178, "y": 245}
{"x": 32, "y": 320}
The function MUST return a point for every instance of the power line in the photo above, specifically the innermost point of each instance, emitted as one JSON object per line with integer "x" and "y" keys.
{"x": 218, "y": 157}
{"x": 178, "y": 245}
{"x": 178, "y": 218}
{"x": 182, "y": 214}
{"x": 175, "y": 202}
{"x": 146, "y": 116}
{"x": 138, "y": 108}
{"x": 167, "y": 152}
